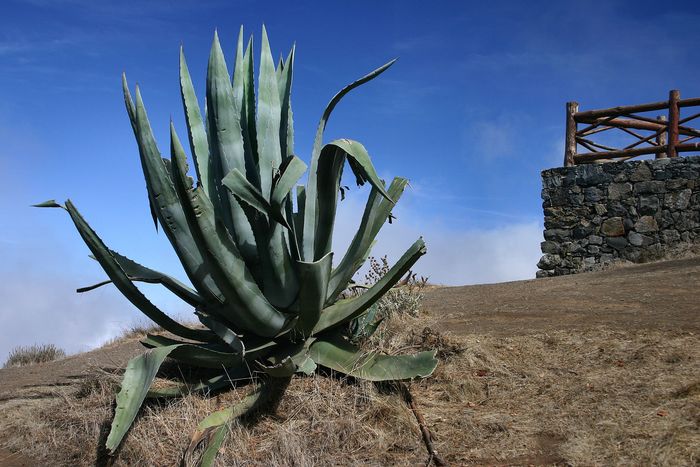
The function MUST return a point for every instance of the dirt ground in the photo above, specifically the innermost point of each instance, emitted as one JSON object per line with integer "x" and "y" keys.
{"x": 592, "y": 369}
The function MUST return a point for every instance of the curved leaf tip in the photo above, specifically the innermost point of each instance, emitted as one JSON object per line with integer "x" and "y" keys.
{"x": 51, "y": 203}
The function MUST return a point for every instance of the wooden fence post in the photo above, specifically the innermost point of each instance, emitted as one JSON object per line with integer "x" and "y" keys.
{"x": 673, "y": 111}
{"x": 661, "y": 138}
{"x": 570, "y": 148}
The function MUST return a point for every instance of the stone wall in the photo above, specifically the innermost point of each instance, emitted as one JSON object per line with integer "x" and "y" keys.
{"x": 637, "y": 211}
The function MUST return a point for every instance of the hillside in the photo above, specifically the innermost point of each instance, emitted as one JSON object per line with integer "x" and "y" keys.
{"x": 592, "y": 368}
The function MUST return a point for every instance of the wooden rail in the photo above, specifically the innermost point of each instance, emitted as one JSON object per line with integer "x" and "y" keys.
{"x": 661, "y": 135}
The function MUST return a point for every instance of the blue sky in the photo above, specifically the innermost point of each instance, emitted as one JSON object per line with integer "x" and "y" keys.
{"x": 471, "y": 113}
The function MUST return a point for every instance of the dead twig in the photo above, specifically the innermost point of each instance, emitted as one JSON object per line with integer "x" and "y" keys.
{"x": 433, "y": 456}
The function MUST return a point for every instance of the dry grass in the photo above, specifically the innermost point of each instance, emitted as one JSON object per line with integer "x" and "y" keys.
{"x": 593, "y": 397}
{"x": 30, "y": 355}
{"x": 135, "y": 331}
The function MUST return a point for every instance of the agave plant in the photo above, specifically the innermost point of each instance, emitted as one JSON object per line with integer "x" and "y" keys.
{"x": 255, "y": 245}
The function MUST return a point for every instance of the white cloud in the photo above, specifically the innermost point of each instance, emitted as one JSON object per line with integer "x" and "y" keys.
{"x": 496, "y": 137}
{"x": 41, "y": 308}
{"x": 46, "y": 310}
{"x": 455, "y": 256}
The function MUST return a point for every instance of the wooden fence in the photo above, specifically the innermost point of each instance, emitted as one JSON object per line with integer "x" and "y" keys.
{"x": 662, "y": 135}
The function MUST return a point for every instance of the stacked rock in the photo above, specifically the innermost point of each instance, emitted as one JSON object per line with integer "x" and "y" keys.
{"x": 637, "y": 211}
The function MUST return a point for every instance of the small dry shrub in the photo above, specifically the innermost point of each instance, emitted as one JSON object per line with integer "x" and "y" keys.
{"x": 405, "y": 298}
{"x": 30, "y": 355}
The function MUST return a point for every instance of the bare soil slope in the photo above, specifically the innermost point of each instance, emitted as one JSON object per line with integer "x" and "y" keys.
{"x": 596, "y": 368}
{"x": 663, "y": 296}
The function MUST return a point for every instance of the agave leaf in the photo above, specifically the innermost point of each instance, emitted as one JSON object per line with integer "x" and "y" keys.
{"x": 193, "y": 354}
{"x": 330, "y": 167}
{"x": 48, "y": 204}
{"x": 299, "y": 215}
{"x": 159, "y": 340}
{"x": 139, "y": 375}
{"x": 313, "y": 278}
{"x": 288, "y": 359}
{"x": 310, "y": 215}
{"x": 131, "y": 110}
{"x": 291, "y": 171}
{"x": 307, "y": 366}
{"x": 236, "y": 182}
{"x": 376, "y": 213}
{"x": 139, "y": 273}
{"x": 341, "y": 355}
{"x": 240, "y": 101}
{"x": 120, "y": 279}
{"x": 250, "y": 138}
{"x": 248, "y": 308}
{"x": 196, "y": 131}
{"x": 280, "y": 281}
{"x": 366, "y": 324}
{"x": 371, "y": 328}
{"x": 268, "y": 118}
{"x": 215, "y": 353}
{"x": 213, "y": 446}
{"x": 208, "y": 386}
{"x": 162, "y": 195}
{"x": 344, "y": 310}
{"x": 279, "y": 277}
{"x": 283, "y": 369}
{"x": 227, "y": 151}
{"x": 232, "y": 339}
{"x": 214, "y": 428}
{"x": 284, "y": 80}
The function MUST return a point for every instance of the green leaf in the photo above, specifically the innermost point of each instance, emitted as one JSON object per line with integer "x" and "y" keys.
{"x": 236, "y": 182}
{"x": 310, "y": 212}
{"x": 291, "y": 171}
{"x": 376, "y": 213}
{"x": 162, "y": 196}
{"x": 196, "y": 131}
{"x": 208, "y": 386}
{"x": 227, "y": 151}
{"x": 268, "y": 118}
{"x": 215, "y": 427}
{"x": 240, "y": 100}
{"x": 365, "y": 325}
{"x": 139, "y": 273}
{"x": 284, "y": 80}
{"x": 212, "y": 448}
{"x": 299, "y": 215}
{"x": 330, "y": 168}
{"x": 139, "y": 375}
{"x": 283, "y": 369}
{"x": 248, "y": 308}
{"x": 48, "y": 204}
{"x": 361, "y": 164}
{"x": 232, "y": 339}
{"x": 345, "y": 310}
{"x": 120, "y": 279}
{"x": 195, "y": 355}
{"x": 341, "y": 355}
{"x": 313, "y": 278}
{"x": 250, "y": 138}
